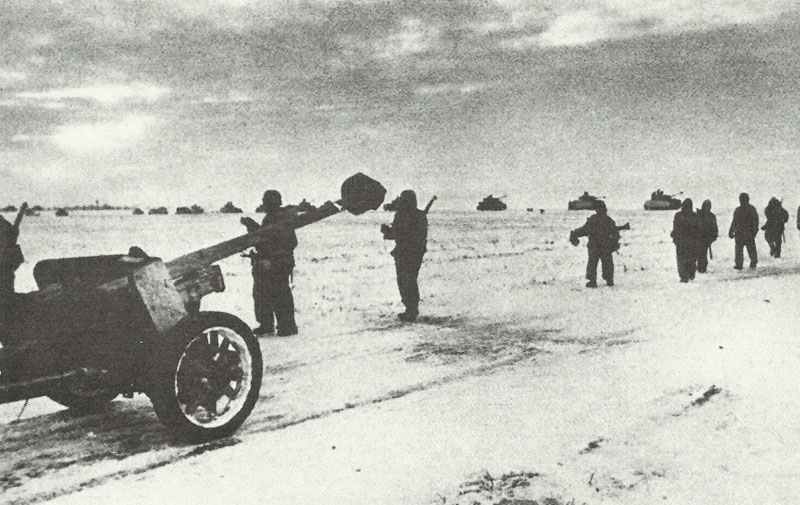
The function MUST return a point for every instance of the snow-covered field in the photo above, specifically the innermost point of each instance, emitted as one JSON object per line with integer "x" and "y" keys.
{"x": 516, "y": 384}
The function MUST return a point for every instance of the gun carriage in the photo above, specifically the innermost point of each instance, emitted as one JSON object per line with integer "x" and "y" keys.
{"x": 101, "y": 326}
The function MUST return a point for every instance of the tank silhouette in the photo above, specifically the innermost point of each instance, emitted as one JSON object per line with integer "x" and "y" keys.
{"x": 62, "y": 213}
{"x": 160, "y": 211}
{"x": 584, "y": 202}
{"x": 662, "y": 201}
{"x": 492, "y": 203}
{"x": 230, "y": 208}
{"x": 137, "y": 211}
{"x": 194, "y": 209}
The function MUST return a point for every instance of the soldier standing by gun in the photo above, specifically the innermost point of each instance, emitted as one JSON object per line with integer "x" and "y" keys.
{"x": 10, "y": 259}
{"x": 603, "y": 235}
{"x": 409, "y": 230}
{"x": 272, "y": 264}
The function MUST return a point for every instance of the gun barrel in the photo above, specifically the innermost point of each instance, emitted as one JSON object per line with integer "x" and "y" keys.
{"x": 209, "y": 255}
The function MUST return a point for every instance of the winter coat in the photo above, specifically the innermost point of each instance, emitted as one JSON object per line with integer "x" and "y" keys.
{"x": 602, "y": 232}
{"x": 776, "y": 221}
{"x": 686, "y": 229}
{"x": 709, "y": 231}
{"x": 278, "y": 245}
{"x": 745, "y": 223}
{"x": 409, "y": 230}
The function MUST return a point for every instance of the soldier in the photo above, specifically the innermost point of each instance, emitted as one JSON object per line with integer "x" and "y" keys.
{"x": 744, "y": 228}
{"x": 687, "y": 236}
{"x": 10, "y": 259}
{"x": 273, "y": 263}
{"x": 603, "y": 240}
{"x": 773, "y": 228}
{"x": 709, "y": 233}
{"x": 409, "y": 230}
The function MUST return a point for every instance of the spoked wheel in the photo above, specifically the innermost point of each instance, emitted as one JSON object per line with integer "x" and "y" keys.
{"x": 208, "y": 383}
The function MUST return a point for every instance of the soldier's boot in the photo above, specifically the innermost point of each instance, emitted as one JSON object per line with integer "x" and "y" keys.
{"x": 411, "y": 313}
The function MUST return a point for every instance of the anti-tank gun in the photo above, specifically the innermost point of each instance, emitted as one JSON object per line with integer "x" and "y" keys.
{"x": 103, "y": 325}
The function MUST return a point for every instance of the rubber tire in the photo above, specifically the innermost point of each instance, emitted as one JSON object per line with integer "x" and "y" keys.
{"x": 84, "y": 404}
{"x": 162, "y": 390}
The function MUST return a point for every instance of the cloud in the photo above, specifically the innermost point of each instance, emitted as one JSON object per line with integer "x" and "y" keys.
{"x": 587, "y": 22}
{"x": 450, "y": 88}
{"x": 106, "y": 94}
{"x": 414, "y": 37}
{"x": 21, "y": 139}
{"x": 105, "y": 137}
{"x": 10, "y": 77}
{"x": 231, "y": 97}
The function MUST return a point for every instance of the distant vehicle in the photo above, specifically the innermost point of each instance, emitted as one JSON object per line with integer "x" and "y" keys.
{"x": 62, "y": 213}
{"x": 492, "y": 203}
{"x": 194, "y": 209}
{"x": 230, "y": 208}
{"x": 158, "y": 211}
{"x": 584, "y": 202}
{"x": 137, "y": 211}
{"x": 661, "y": 201}
{"x": 9, "y": 208}
{"x": 31, "y": 212}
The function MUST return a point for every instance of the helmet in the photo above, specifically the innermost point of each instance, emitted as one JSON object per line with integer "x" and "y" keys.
{"x": 271, "y": 199}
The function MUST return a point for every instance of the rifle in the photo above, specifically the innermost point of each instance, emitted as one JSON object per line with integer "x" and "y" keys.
{"x": 430, "y": 204}
{"x": 20, "y": 215}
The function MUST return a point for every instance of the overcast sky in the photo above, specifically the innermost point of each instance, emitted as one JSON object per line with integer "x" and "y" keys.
{"x": 182, "y": 101}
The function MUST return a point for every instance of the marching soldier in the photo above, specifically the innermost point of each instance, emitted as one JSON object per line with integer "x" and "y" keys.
{"x": 773, "y": 228}
{"x": 743, "y": 230}
{"x": 603, "y": 236}
{"x": 709, "y": 232}
{"x": 687, "y": 236}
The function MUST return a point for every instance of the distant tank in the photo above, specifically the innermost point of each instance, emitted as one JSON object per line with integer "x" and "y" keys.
{"x": 492, "y": 203}
{"x": 160, "y": 211}
{"x": 230, "y": 208}
{"x": 62, "y": 213}
{"x": 137, "y": 211}
{"x": 661, "y": 201}
{"x": 584, "y": 202}
{"x": 194, "y": 209}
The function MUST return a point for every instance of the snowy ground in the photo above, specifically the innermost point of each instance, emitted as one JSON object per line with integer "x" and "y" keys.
{"x": 517, "y": 385}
